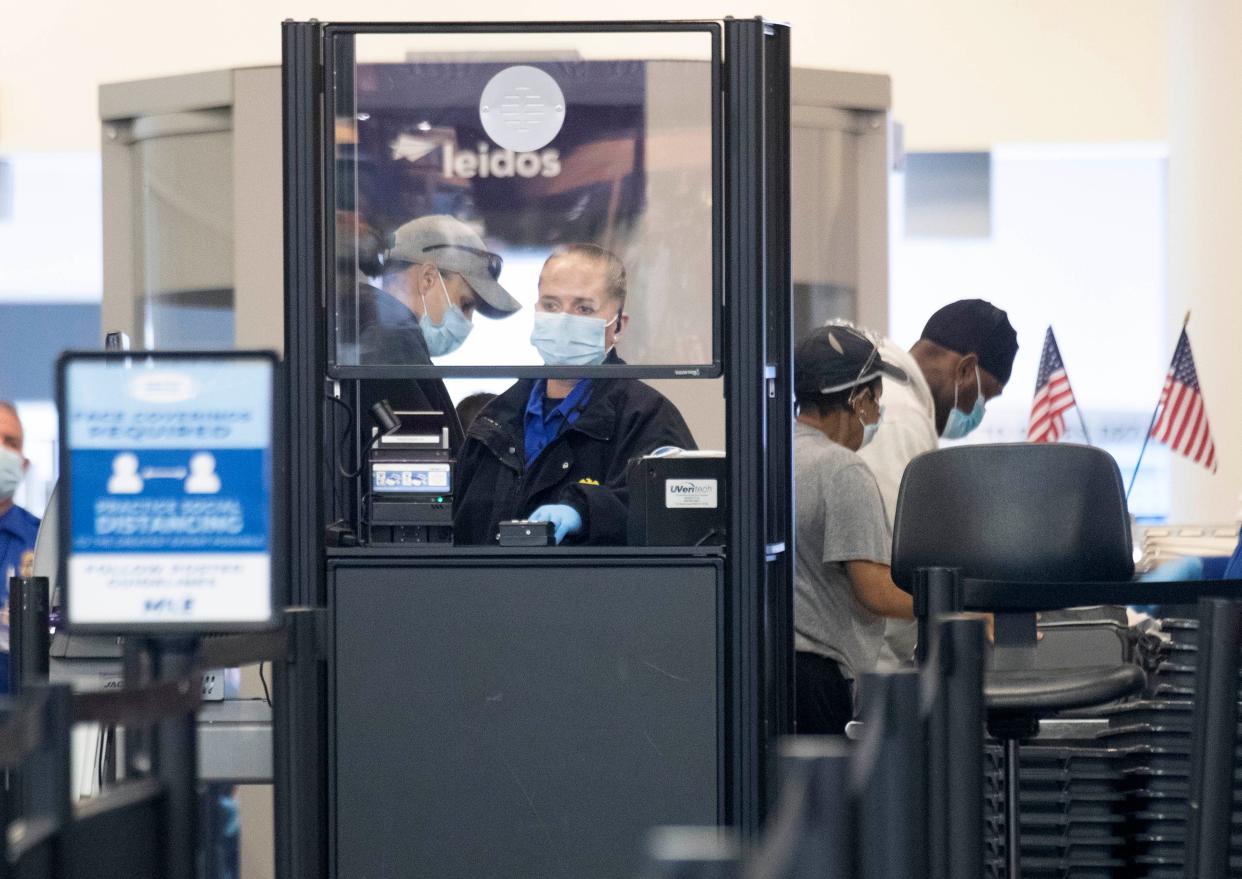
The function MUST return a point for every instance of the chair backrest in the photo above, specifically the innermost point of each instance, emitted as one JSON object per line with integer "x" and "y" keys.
{"x": 1022, "y": 512}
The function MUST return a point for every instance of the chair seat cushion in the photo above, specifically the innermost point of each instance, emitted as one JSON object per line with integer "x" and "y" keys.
{"x": 1047, "y": 691}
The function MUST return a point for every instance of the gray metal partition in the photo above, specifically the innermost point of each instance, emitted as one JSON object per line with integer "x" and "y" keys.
{"x": 541, "y": 716}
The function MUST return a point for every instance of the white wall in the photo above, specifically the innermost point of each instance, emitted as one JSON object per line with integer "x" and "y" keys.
{"x": 1205, "y": 221}
{"x": 966, "y": 73}
{"x": 1077, "y": 241}
{"x": 51, "y": 244}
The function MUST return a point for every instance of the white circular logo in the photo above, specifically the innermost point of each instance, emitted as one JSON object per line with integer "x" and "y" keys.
{"x": 522, "y": 108}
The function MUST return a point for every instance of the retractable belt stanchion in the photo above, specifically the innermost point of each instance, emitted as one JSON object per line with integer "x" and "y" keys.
{"x": 29, "y": 639}
{"x": 952, "y": 684}
{"x": 34, "y": 738}
{"x": 962, "y": 645}
{"x": 810, "y": 829}
{"x": 905, "y": 801}
{"x": 1213, "y": 739}
{"x": 936, "y": 592}
{"x": 135, "y": 673}
{"x": 888, "y": 780}
{"x": 28, "y": 649}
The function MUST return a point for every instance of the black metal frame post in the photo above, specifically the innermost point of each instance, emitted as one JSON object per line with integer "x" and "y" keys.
{"x": 778, "y": 368}
{"x": 1213, "y": 739}
{"x": 300, "y": 706}
{"x": 759, "y": 406}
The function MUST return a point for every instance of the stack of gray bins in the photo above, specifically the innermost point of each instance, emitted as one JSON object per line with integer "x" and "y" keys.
{"x": 1072, "y": 805}
{"x": 1156, "y": 733}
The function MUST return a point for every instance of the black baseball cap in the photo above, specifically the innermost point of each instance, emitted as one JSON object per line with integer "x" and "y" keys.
{"x": 837, "y": 357}
{"x": 976, "y": 326}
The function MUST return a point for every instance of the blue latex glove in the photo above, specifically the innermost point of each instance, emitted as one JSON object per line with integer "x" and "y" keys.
{"x": 564, "y": 518}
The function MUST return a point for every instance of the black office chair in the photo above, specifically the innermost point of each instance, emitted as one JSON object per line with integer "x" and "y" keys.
{"x": 977, "y": 526}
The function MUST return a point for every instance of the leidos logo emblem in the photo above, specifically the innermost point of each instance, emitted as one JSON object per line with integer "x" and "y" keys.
{"x": 486, "y": 162}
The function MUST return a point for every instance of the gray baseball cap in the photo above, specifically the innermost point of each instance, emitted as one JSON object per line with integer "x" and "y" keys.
{"x": 451, "y": 245}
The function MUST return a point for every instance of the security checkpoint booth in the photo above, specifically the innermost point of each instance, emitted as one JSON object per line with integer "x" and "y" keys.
{"x": 510, "y": 705}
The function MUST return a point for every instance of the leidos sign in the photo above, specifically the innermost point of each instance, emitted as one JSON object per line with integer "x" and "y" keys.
{"x": 486, "y": 162}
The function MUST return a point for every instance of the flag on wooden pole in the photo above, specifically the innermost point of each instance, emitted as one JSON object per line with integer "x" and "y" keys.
{"x": 1182, "y": 424}
{"x": 1053, "y": 395}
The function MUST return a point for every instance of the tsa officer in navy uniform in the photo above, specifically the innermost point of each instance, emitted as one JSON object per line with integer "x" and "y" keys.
{"x": 556, "y": 450}
{"x": 18, "y": 528}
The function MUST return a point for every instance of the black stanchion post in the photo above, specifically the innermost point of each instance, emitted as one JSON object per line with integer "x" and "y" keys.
{"x": 135, "y": 673}
{"x": 935, "y": 712}
{"x": 888, "y": 780}
{"x": 29, "y": 645}
{"x": 937, "y": 591}
{"x": 963, "y": 659}
{"x": 29, "y": 640}
{"x": 57, "y": 794}
{"x": 811, "y": 833}
{"x": 46, "y": 794}
{"x": 1213, "y": 739}
{"x": 177, "y": 766}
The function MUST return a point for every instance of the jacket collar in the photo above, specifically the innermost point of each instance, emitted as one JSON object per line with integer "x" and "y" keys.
{"x": 509, "y": 410}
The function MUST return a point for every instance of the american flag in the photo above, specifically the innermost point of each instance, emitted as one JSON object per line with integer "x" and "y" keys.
{"x": 1053, "y": 395}
{"x": 1183, "y": 422}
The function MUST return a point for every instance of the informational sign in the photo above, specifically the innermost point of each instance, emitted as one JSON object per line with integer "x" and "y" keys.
{"x": 166, "y": 470}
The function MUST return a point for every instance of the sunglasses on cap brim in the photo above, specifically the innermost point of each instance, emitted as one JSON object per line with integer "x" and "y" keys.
{"x": 867, "y": 364}
{"x": 495, "y": 262}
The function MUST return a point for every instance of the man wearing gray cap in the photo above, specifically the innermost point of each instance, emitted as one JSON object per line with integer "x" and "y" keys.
{"x": 437, "y": 273}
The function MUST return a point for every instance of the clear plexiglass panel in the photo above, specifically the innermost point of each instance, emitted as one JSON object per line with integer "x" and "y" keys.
{"x": 525, "y": 199}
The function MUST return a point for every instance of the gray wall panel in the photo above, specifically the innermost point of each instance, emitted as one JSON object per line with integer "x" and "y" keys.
{"x": 33, "y": 336}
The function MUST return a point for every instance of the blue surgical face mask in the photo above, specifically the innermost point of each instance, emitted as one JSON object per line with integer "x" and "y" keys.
{"x": 446, "y": 336}
{"x": 961, "y": 423}
{"x": 869, "y": 430}
{"x": 12, "y": 469}
{"x": 569, "y": 339}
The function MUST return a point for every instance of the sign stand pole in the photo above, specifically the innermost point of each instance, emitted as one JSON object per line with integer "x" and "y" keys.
{"x": 176, "y": 760}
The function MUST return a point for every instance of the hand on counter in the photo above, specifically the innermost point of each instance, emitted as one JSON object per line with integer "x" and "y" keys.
{"x": 564, "y": 518}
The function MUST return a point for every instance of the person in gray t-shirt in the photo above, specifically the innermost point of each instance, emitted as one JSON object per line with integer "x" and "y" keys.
{"x": 843, "y": 587}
